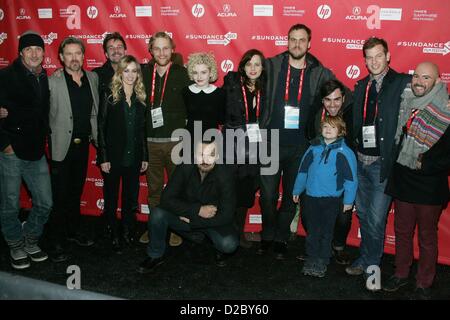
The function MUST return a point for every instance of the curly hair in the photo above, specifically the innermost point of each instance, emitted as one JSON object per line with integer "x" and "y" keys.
{"x": 202, "y": 58}
{"x": 117, "y": 81}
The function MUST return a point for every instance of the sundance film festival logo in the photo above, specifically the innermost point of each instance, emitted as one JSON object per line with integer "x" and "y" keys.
{"x": 427, "y": 47}
{"x": 324, "y": 11}
{"x": 143, "y": 36}
{"x": 227, "y": 65}
{"x": 73, "y": 15}
{"x": 48, "y": 63}
{"x": 92, "y": 38}
{"x": 214, "y": 39}
{"x": 92, "y": 12}
{"x": 351, "y": 44}
{"x": 198, "y": 10}
{"x": 49, "y": 38}
{"x": 117, "y": 13}
{"x": 226, "y": 12}
{"x": 3, "y": 37}
{"x": 352, "y": 71}
{"x": 280, "y": 40}
{"x": 23, "y": 15}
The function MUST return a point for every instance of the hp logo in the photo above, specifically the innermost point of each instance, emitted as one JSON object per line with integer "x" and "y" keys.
{"x": 198, "y": 10}
{"x": 324, "y": 11}
{"x": 352, "y": 71}
{"x": 227, "y": 65}
{"x": 92, "y": 12}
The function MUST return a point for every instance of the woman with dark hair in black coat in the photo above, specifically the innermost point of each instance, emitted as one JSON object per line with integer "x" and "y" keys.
{"x": 244, "y": 98}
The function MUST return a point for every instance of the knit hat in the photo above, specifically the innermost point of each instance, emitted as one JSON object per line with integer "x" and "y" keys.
{"x": 30, "y": 39}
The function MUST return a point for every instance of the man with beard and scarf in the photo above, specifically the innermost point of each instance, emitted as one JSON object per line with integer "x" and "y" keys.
{"x": 294, "y": 78}
{"x": 73, "y": 121}
{"x": 419, "y": 179}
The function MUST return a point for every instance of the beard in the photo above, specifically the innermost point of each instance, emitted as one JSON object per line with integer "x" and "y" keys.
{"x": 298, "y": 56}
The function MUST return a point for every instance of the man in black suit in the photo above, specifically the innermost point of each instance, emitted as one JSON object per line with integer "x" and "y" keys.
{"x": 199, "y": 198}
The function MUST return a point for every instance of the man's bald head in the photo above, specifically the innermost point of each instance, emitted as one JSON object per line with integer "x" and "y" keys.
{"x": 424, "y": 78}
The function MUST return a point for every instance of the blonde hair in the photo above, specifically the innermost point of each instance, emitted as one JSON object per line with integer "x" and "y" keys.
{"x": 202, "y": 58}
{"x": 160, "y": 34}
{"x": 117, "y": 84}
{"x": 336, "y": 122}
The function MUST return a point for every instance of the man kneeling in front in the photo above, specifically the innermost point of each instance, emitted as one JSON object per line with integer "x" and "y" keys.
{"x": 198, "y": 199}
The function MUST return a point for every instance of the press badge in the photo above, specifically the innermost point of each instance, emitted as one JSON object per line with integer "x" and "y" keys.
{"x": 157, "y": 118}
{"x": 253, "y": 132}
{"x": 369, "y": 137}
{"x": 291, "y": 117}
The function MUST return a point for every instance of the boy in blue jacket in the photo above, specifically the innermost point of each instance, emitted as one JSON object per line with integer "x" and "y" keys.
{"x": 328, "y": 174}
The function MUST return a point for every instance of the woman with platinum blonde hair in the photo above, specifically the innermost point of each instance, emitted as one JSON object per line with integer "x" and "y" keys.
{"x": 122, "y": 152}
{"x": 205, "y": 103}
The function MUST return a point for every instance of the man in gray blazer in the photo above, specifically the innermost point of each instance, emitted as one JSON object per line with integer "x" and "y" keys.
{"x": 73, "y": 122}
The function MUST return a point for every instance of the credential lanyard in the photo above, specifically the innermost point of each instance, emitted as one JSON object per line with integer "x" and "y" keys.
{"x": 300, "y": 86}
{"x": 152, "y": 94}
{"x": 258, "y": 99}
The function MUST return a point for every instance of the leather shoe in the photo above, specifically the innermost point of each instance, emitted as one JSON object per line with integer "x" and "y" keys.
{"x": 116, "y": 246}
{"x": 220, "y": 259}
{"x": 280, "y": 249}
{"x": 394, "y": 283}
{"x": 422, "y": 293}
{"x": 354, "y": 271}
{"x": 81, "y": 240}
{"x": 301, "y": 257}
{"x": 341, "y": 257}
{"x": 149, "y": 264}
{"x": 58, "y": 254}
{"x": 264, "y": 247}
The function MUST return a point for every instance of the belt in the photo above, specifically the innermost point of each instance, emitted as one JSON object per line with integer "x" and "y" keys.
{"x": 79, "y": 140}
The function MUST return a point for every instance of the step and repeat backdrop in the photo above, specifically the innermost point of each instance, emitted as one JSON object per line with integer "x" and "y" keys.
{"x": 415, "y": 30}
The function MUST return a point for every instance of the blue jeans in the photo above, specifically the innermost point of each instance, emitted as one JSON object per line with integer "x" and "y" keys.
{"x": 372, "y": 206}
{"x": 224, "y": 238}
{"x": 37, "y": 179}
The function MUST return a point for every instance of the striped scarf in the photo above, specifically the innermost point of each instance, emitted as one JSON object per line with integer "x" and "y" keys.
{"x": 428, "y": 125}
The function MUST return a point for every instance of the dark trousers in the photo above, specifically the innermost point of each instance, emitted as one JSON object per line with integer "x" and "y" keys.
{"x": 224, "y": 238}
{"x": 68, "y": 178}
{"x": 320, "y": 216}
{"x": 129, "y": 197}
{"x": 341, "y": 228}
{"x": 276, "y": 223}
{"x": 407, "y": 215}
